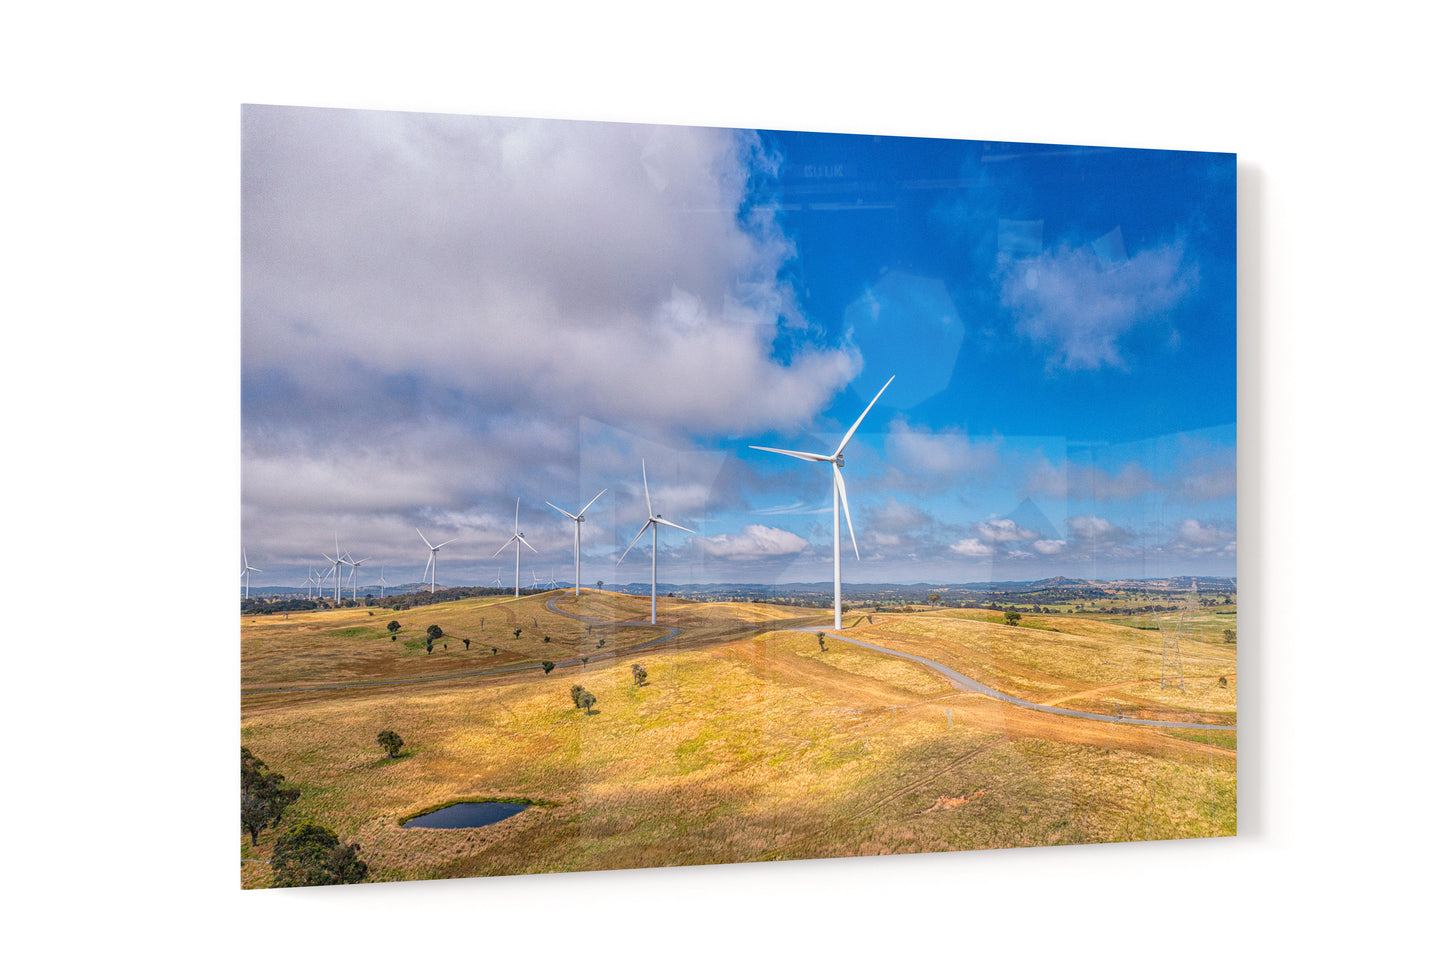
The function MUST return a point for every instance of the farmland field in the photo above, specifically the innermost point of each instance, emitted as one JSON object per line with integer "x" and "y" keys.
{"x": 747, "y": 742}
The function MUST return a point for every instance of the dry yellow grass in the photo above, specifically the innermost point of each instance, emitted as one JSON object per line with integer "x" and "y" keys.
{"x": 744, "y": 745}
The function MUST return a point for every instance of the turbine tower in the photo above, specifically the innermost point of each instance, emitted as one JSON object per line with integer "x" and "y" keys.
{"x": 652, "y": 521}
{"x": 246, "y": 571}
{"x": 383, "y": 581}
{"x": 431, "y": 562}
{"x": 516, "y": 537}
{"x": 840, "y": 493}
{"x": 577, "y": 543}
{"x": 356, "y": 574}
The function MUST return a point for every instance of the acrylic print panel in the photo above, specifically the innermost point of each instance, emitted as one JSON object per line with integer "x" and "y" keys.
{"x": 625, "y": 496}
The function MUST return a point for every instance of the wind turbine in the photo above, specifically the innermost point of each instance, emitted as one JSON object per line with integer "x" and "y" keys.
{"x": 246, "y": 571}
{"x": 652, "y": 521}
{"x": 553, "y": 583}
{"x": 577, "y": 544}
{"x": 336, "y": 564}
{"x": 516, "y": 537}
{"x": 356, "y": 574}
{"x": 840, "y": 493}
{"x": 383, "y": 581}
{"x": 431, "y": 562}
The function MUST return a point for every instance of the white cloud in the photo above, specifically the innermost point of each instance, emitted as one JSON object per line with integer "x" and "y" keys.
{"x": 997, "y": 530}
{"x": 948, "y": 454}
{"x": 753, "y": 543}
{"x": 1092, "y": 527}
{"x": 1078, "y": 307}
{"x": 971, "y": 547}
{"x": 599, "y": 269}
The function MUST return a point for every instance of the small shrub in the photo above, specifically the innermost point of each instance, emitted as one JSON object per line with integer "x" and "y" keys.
{"x": 548, "y": 667}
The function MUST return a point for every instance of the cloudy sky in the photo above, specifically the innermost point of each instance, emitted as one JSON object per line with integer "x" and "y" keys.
{"x": 444, "y": 315}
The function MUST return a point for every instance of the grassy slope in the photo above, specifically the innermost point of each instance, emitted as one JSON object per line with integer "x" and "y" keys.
{"x": 744, "y": 745}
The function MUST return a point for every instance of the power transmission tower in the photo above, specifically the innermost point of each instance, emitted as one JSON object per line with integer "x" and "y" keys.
{"x": 1171, "y": 662}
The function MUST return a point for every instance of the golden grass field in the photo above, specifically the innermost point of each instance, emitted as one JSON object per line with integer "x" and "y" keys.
{"x": 746, "y": 743}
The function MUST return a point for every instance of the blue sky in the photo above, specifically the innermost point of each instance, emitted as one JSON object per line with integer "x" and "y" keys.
{"x": 444, "y": 314}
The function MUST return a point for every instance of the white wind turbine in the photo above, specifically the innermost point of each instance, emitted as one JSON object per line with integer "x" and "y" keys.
{"x": 246, "y": 570}
{"x": 498, "y": 579}
{"x": 383, "y": 581}
{"x": 516, "y": 537}
{"x": 577, "y": 544}
{"x": 431, "y": 562}
{"x": 356, "y": 574}
{"x": 336, "y": 564}
{"x": 652, "y": 521}
{"x": 840, "y": 493}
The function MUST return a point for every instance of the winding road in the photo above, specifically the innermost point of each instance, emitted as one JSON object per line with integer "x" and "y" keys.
{"x": 960, "y": 681}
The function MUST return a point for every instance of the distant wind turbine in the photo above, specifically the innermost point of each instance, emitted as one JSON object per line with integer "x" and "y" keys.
{"x": 498, "y": 579}
{"x": 577, "y": 544}
{"x": 652, "y": 522}
{"x": 356, "y": 575}
{"x": 246, "y": 571}
{"x": 516, "y": 537}
{"x": 383, "y": 581}
{"x": 336, "y": 564}
{"x": 431, "y": 562}
{"x": 840, "y": 493}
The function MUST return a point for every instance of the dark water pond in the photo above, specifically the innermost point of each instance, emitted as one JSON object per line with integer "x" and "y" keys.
{"x": 465, "y": 815}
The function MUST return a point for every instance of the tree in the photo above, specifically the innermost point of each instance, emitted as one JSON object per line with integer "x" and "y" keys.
{"x": 577, "y": 691}
{"x": 516, "y": 633}
{"x": 639, "y": 673}
{"x": 428, "y": 646}
{"x": 548, "y": 667}
{"x": 434, "y": 632}
{"x": 467, "y": 644}
{"x": 393, "y": 626}
{"x": 933, "y": 598}
{"x": 1229, "y": 636}
{"x": 585, "y": 701}
{"x": 263, "y": 797}
{"x": 1011, "y": 616}
{"x": 312, "y": 855}
{"x": 822, "y": 643}
{"x": 1224, "y": 682}
{"x": 546, "y": 640}
{"x": 599, "y": 585}
{"x": 390, "y": 741}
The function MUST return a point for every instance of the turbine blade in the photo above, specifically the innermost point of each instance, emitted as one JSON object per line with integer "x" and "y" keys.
{"x": 662, "y": 521}
{"x": 589, "y": 504}
{"x": 634, "y": 541}
{"x": 564, "y": 511}
{"x": 645, "y": 492}
{"x": 843, "y": 497}
{"x": 805, "y": 455}
{"x": 524, "y": 542}
{"x": 423, "y": 538}
{"x": 447, "y": 542}
{"x": 846, "y": 438}
{"x": 504, "y": 546}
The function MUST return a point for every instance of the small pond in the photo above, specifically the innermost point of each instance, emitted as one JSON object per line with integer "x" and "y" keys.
{"x": 467, "y": 815}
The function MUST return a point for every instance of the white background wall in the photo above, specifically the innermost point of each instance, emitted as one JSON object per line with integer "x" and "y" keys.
{"x": 120, "y": 394}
